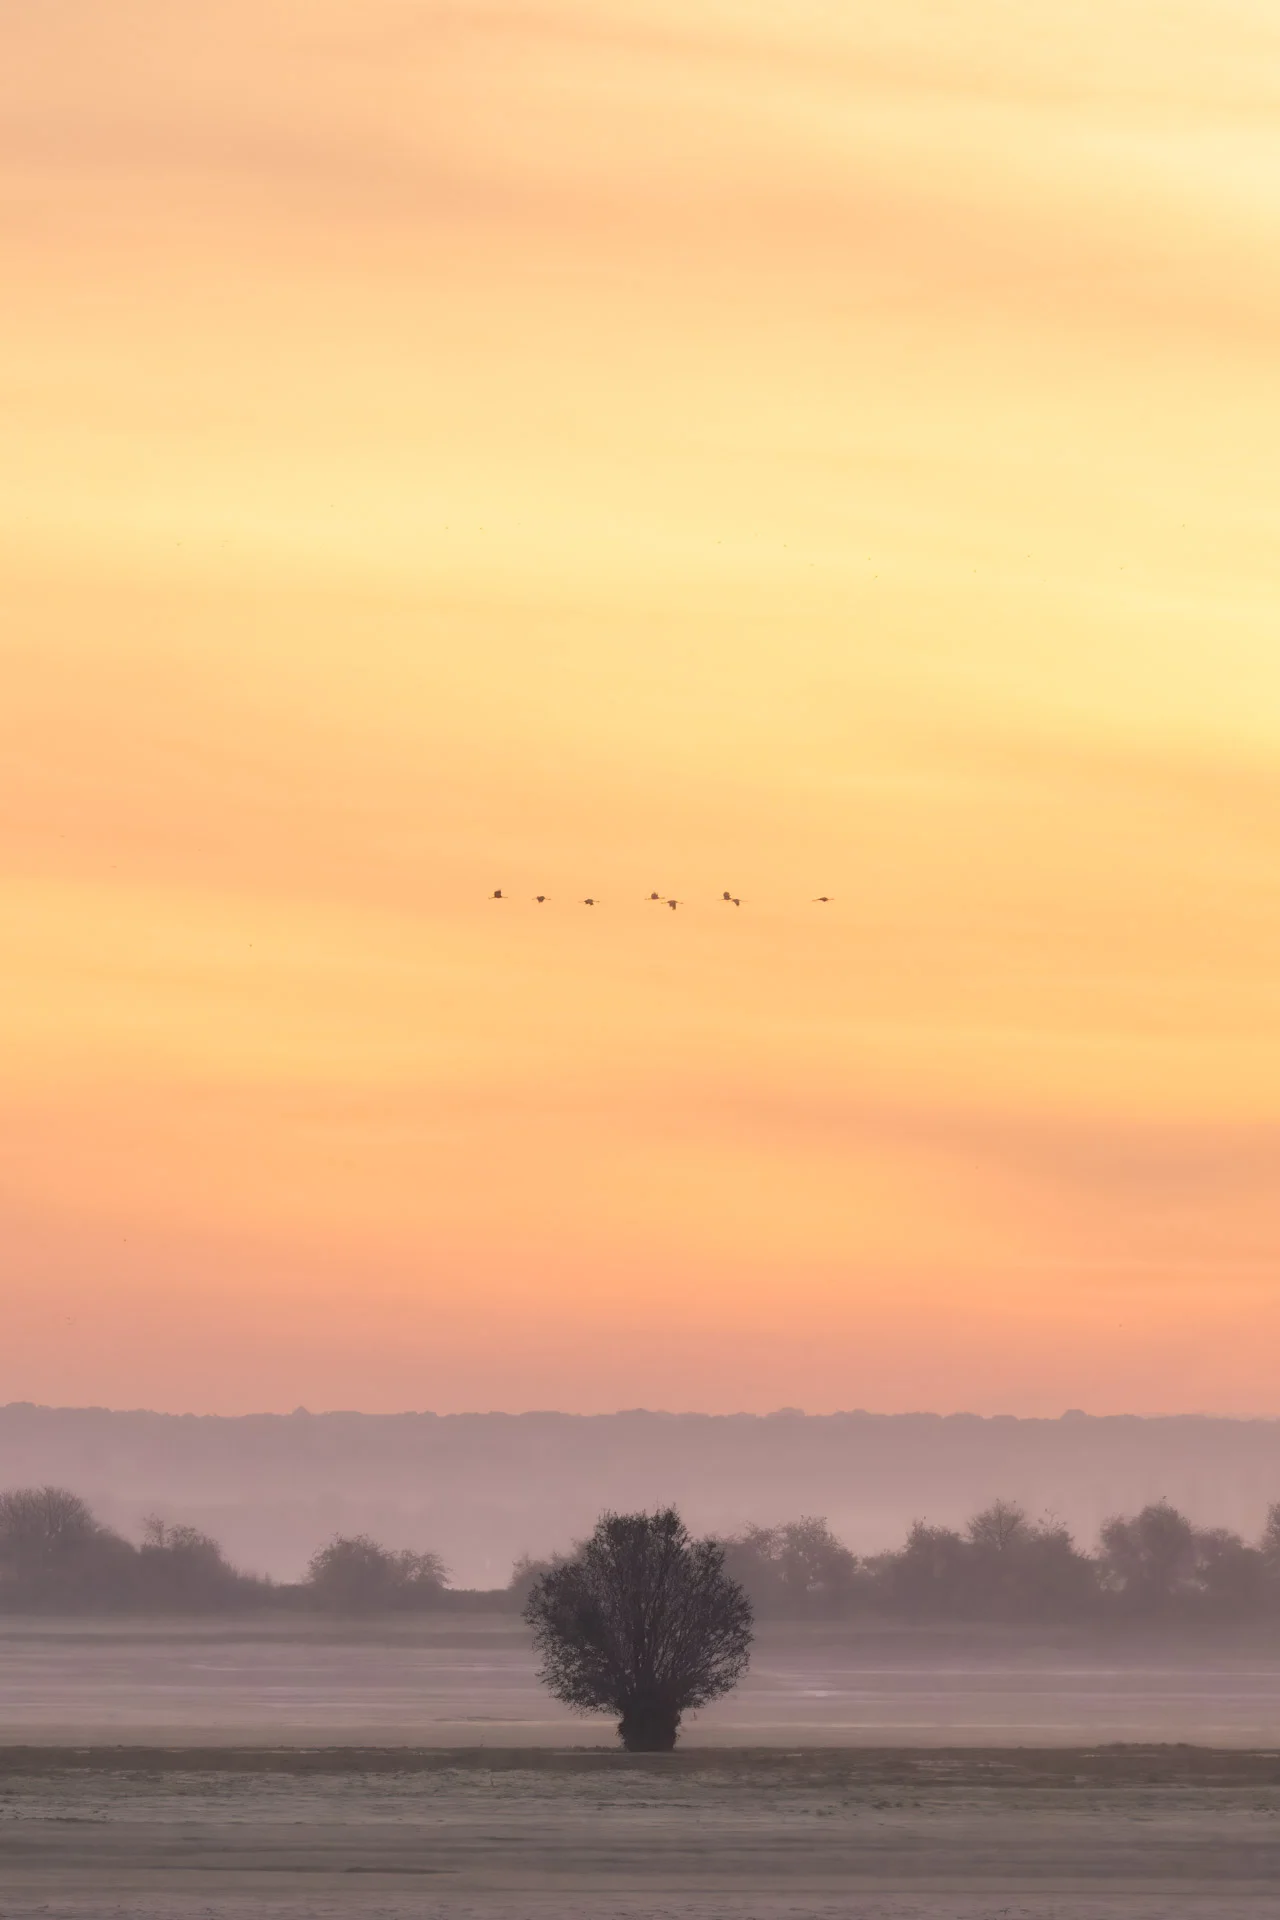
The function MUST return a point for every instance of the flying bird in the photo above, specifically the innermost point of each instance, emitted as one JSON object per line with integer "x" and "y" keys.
{"x": 655, "y": 896}
{"x": 673, "y": 904}
{"x": 590, "y": 903}
{"x": 540, "y": 897}
{"x": 822, "y": 900}
{"x": 496, "y": 894}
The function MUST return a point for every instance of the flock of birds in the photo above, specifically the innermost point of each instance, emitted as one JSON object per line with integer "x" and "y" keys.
{"x": 726, "y": 899}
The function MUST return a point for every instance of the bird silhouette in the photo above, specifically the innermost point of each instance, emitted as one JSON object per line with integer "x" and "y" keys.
{"x": 727, "y": 898}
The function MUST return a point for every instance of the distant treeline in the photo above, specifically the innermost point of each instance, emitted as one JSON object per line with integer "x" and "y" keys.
{"x": 57, "y": 1557}
{"x": 1005, "y": 1566}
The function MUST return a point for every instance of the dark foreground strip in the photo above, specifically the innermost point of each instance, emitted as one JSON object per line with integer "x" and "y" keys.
{"x": 1066, "y": 1767}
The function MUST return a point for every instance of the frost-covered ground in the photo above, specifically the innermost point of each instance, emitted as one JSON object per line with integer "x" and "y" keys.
{"x": 562, "y": 1906}
{"x": 785, "y": 1803}
{"x": 760, "y": 1836}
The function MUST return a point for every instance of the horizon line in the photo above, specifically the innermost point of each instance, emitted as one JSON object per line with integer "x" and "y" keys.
{"x": 630, "y": 1413}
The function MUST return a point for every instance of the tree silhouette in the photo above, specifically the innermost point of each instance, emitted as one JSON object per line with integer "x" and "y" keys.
{"x": 1149, "y": 1561}
{"x": 1000, "y": 1528}
{"x": 39, "y": 1526}
{"x": 642, "y": 1621}
{"x": 183, "y": 1568}
{"x": 1269, "y": 1545}
{"x": 54, "y": 1553}
{"x": 355, "y": 1574}
{"x": 795, "y": 1571}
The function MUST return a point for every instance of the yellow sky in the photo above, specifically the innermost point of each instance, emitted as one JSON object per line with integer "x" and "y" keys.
{"x": 585, "y": 448}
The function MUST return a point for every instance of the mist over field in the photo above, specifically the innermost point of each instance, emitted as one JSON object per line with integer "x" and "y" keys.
{"x": 481, "y": 1489}
{"x": 1078, "y": 1762}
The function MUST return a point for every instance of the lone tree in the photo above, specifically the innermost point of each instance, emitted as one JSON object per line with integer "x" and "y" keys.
{"x": 642, "y": 1621}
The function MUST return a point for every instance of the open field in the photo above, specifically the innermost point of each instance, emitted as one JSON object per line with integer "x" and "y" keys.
{"x": 743, "y": 1835}
{"x": 442, "y": 1682}
{"x": 195, "y": 1771}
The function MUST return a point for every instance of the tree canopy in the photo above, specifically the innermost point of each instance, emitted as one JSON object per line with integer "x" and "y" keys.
{"x": 355, "y": 1574}
{"x": 643, "y": 1621}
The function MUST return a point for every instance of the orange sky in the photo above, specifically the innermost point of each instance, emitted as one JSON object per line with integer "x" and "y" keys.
{"x": 775, "y": 444}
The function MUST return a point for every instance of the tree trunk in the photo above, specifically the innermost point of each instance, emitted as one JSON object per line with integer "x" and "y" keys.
{"x": 648, "y": 1726}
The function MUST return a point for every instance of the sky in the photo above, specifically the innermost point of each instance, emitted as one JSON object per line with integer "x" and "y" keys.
{"x": 789, "y": 446}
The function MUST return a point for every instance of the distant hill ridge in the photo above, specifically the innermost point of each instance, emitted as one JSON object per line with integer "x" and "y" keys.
{"x": 483, "y": 1487}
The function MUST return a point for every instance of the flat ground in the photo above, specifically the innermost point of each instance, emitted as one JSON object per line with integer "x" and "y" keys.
{"x": 445, "y": 1681}
{"x": 294, "y": 1770}
{"x": 1061, "y": 1834}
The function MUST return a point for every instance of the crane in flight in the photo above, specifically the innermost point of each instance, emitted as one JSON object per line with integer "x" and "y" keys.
{"x": 727, "y": 899}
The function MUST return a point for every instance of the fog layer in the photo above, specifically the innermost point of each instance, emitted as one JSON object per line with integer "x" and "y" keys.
{"x": 481, "y": 1489}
